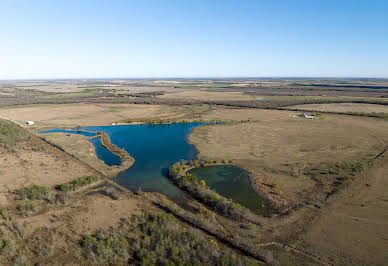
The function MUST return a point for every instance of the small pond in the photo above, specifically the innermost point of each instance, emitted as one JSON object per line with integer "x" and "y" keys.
{"x": 232, "y": 182}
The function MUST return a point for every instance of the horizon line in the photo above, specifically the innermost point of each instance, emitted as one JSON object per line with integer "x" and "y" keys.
{"x": 196, "y": 78}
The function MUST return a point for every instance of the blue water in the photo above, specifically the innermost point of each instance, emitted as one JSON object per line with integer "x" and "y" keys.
{"x": 154, "y": 148}
{"x": 102, "y": 153}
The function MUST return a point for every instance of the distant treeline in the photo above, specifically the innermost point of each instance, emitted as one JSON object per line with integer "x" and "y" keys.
{"x": 340, "y": 85}
{"x": 112, "y": 99}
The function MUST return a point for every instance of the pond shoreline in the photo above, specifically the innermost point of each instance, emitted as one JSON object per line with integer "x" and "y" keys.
{"x": 62, "y": 141}
{"x": 126, "y": 159}
{"x": 179, "y": 175}
{"x": 276, "y": 203}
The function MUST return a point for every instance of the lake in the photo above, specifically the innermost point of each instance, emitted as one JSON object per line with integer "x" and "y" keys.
{"x": 154, "y": 147}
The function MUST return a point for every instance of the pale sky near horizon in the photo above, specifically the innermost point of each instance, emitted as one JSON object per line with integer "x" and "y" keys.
{"x": 156, "y": 38}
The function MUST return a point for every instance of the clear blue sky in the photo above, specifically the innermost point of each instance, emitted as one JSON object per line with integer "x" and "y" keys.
{"x": 182, "y": 38}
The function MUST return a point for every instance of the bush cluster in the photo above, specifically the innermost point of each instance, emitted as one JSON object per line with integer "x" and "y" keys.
{"x": 27, "y": 208}
{"x": 346, "y": 171}
{"x": 106, "y": 246}
{"x": 10, "y": 134}
{"x": 4, "y": 214}
{"x": 34, "y": 192}
{"x": 156, "y": 239}
{"x": 7, "y": 247}
{"x": 76, "y": 184}
{"x": 30, "y": 198}
{"x": 165, "y": 242}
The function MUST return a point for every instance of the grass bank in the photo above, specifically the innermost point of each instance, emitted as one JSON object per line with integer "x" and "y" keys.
{"x": 198, "y": 189}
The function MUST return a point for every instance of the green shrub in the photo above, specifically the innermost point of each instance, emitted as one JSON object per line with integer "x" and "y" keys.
{"x": 106, "y": 246}
{"x": 34, "y": 192}
{"x": 11, "y": 134}
{"x": 77, "y": 183}
{"x": 8, "y": 247}
{"x": 4, "y": 214}
{"x": 64, "y": 187}
{"x": 27, "y": 208}
{"x": 166, "y": 242}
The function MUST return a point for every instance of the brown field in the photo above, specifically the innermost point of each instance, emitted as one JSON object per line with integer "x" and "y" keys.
{"x": 36, "y": 162}
{"x": 209, "y": 96}
{"x": 285, "y": 150}
{"x": 281, "y": 144}
{"x": 69, "y": 115}
{"x": 354, "y": 224}
{"x": 44, "y": 86}
{"x": 82, "y": 213}
{"x": 343, "y": 107}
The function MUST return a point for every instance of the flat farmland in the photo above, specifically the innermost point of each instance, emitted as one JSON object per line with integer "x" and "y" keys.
{"x": 297, "y": 155}
{"x": 282, "y": 147}
{"x": 82, "y": 114}
{"x": 354, "y": 223}
{"x": 343, "y": 107}
{"x": 208, "y": 96}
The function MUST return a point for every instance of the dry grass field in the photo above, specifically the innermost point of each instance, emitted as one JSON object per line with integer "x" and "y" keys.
{"x": 82, "y": 213}
{"x": 343, "y": 107}
{"x": 70, "y": 115}
{"x": 297, "y": 154}
{"x": 354, "y": 224}
{"x": 208, "y": 96}
{"x": 44, "y": 86}
{"x": 35, "y": 162}
{"x": 281, "y": 146}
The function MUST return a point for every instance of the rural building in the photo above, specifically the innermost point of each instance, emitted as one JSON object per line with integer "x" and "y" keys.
{"x": 30, "y": 123}
{"x": 306, "y": 115}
